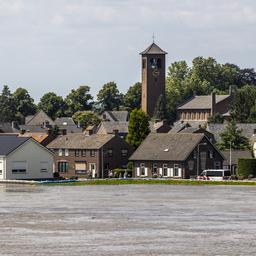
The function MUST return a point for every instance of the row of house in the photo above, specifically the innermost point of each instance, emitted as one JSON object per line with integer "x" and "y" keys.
{"x": 182, "y": 150}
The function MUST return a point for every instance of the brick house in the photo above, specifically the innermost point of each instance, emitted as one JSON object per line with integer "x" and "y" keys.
{"x": 82, "y": 155}
{"x": 179, "y": 155}
{"x": 199, "y": 108}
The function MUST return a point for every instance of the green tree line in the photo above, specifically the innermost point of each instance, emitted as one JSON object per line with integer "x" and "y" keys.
{"x": 204, "y": 76}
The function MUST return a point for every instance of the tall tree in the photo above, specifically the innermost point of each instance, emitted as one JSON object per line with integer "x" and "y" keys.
{"x": 244, "y": 100}
{"x": 52, "y": 105}
{"x": 232, "y": 136}
{"x": 79, "y": 100}
{"x": 7, "y": 106}
{"x": 138, "y": 127}
{"x": 109, "y": 97}
{"x": 24, "y": 104}
{"x": 132, "y": 99}
{"x": 86, "y": 118}
{"x": 175, "y": 87}
{"x": 160, "y": 111}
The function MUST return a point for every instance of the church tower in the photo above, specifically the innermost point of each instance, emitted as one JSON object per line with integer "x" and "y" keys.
{"x": 153, "y": 77}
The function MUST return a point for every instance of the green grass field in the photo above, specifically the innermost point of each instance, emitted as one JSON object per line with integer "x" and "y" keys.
{"x": 150, "y": 181}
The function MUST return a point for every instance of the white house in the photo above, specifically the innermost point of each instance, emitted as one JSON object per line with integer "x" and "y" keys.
{"x": 24, "y": 158}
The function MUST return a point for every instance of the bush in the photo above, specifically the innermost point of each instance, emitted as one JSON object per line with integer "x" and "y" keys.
{"x": 117, "y": 172}
{"x": 246, "y": 167}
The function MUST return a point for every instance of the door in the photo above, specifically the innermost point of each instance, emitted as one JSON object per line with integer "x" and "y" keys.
{"x": 92, "y": 168}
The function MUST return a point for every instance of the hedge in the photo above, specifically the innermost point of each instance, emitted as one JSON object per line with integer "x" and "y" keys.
{"x": 246, "y": 167}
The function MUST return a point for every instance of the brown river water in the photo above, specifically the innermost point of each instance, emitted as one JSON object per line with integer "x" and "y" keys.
{"x": 127, "y": 220}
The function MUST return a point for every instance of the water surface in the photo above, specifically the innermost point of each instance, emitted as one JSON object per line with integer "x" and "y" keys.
{"x": 127, "y": 220}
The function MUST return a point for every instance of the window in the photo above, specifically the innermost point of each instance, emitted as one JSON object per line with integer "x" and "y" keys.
{"x": 176, "y": 170}
{"x": 83, "y": 152}
{"x": 217, "y": 165}
{"x": 19, "y": 167}
{"x": 80, "y": 167}
{"x": 154, "y": 168}
{"x": 77, "y": 152}
{"x": 110, "y": 152}
{"x": 165, "y": 170}
{"x": 92, "y": 152}
{"x": 44, "y": 166}
{"x": 142, "y": 169}
{"x": 194, "y": 154}
{"x": 144, "y": 62}
{"x": 1, "y": 168}
{"x": 60, "y": 152}
{"x": 211, "y": 154}
{"x": 66, "y": 152}
{"x": 159, "y": 64}
{"x": 62, "y": 166}
{"x": 124, "y": 152}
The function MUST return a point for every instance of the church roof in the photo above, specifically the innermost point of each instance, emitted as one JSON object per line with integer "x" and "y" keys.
{"x": 153, "y": 49}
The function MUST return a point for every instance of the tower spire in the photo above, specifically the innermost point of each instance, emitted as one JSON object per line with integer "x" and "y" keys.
{"x": 153, "y": 37}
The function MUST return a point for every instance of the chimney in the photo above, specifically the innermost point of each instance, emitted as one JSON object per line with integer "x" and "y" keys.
{"x": 213, "y": 103}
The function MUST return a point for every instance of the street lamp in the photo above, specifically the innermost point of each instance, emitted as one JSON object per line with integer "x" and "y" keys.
{"x": 198, "y": 155}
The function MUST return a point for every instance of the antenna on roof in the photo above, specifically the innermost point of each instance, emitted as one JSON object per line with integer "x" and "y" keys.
{"x": 153, "y": 37}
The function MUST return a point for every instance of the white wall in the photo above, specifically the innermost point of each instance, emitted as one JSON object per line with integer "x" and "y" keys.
{"x": 33, "y": 154}
{"x": 2, "y": 167}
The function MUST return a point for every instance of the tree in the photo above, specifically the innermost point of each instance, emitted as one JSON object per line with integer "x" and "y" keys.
{"x": 160, "y": 111}
{"x": 216, "y": 119}
{"x": 138, "y": 127}
{"x": 232, "y": 136}
{"x": 175, "y": 87}
{"x": 79, "y": 100}
{"x": 132, "y": 99}
{"x": 24, "y": 104}
{"x": 109, "y": 97}
{"x": 86, "y": 118}
{"x": 244, "y": 100}
{"x": 52, "y": 105}
{"x": 252, "y": 117}
{"x": 7, "y": 106}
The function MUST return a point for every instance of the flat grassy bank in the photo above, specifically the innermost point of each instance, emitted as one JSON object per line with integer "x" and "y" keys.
{"x": 150, "y": 181}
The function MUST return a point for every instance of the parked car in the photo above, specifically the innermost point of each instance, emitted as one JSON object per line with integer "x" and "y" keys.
{"x": 215, "y": 174}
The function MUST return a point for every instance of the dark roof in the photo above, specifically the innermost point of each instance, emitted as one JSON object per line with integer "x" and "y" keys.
{"x": 108, "y": 127}
{"x": 156, "y": 126}
{"x": 153, "y": 49}
{"x": 64, "y": 121}
{"x": 167, "y": 146}
{"x": 9, "y": 143}
{"x": 39, "y": 118}
{"x": 80, "y": 141}
{"x": 202, "y": 102}
{"x": 34, "y": 128}
{"x": 247, "y": 129}
{"x": 235, "y": 155}
{"x": 116, "y": 116}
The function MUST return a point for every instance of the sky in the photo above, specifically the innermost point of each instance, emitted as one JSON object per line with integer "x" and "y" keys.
{"x": 58, "y": 45}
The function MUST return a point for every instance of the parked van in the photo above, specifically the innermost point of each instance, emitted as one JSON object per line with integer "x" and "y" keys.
{"x": 215, "y": 174}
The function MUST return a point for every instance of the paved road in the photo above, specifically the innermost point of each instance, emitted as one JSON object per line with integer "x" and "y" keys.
{"x": 127, "y": 220}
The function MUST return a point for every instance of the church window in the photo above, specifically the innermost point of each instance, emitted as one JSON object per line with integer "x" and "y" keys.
{"x": 144, "y": 62}
{"x": 159, "y": 64}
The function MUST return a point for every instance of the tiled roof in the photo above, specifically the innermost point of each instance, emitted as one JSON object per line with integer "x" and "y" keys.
{"x": 39, "y": 118}
{"x": 9, "y": 143}
{"x": 153, "y": 49}
{"x": 202, "y": 102}
{"x": 108, "y": 127}
{"x": 64, "y": 121}
{"x": 167, "y": 146}
{"x": 39, "y": 137}
{"x": 80, "y": 141}
{"x": 247, "y": 129}
{"x": 116, "y": 116}
{"x": 235, "y": 155}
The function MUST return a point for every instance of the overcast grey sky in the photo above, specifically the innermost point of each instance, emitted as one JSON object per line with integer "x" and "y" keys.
{"x": 57, "y": 45}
